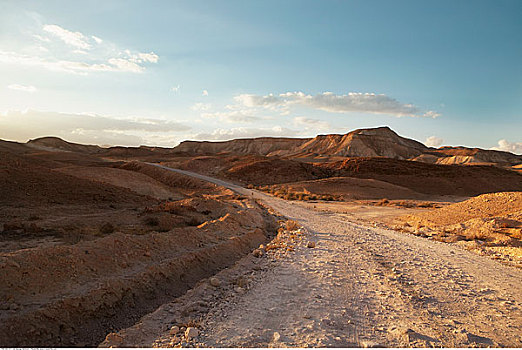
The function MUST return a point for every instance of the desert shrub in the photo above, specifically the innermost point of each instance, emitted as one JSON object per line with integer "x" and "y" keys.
{"x": 107, "y": 228}
{"x": 72, "y": 237}
{"x": 291, "y": 225}
{"x": 168, "y": 222}
{"x": 151, "y": 221}
{"x": 194, "y": 222}
{"x": 383, "y": 201}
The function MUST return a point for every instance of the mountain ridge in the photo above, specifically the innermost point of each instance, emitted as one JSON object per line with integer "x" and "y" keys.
{"x": 364, "y": 142}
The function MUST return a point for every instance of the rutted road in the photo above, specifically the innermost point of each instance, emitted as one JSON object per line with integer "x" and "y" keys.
{"x": 366, "y": 286}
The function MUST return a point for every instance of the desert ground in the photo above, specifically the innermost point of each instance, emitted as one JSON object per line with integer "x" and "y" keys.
{"x": 357, "y": 240}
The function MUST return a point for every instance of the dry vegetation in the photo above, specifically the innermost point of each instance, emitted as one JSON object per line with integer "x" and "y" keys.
{"x": 490, "y": 224}
{"x": 285, "y": 192}
{"x": 88, "y": 245}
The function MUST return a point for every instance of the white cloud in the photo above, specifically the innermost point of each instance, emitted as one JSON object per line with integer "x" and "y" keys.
{"x": 232, "y": 116}
{"x": 126, "y": 65}
{"x": 311, "y": 124}
{"x": 506, "y": 146}
{"x": 42, "y": 38}
{"x": 96, "y": 39}
{"x": 86, "y": 128}
{"x": 148, "y": 57}
{"x": 67, "y": 66}
{"x": 328, "y": 101}
{"x": 204, "y": 93}
{"x": 24, "y": 88}
{"x": 433, "y": 141}
{"x": 200, "y": 106}
{"x": 75, "y": 39}
{"x": 74, "y": 52}
{"x": 229, "y": 134}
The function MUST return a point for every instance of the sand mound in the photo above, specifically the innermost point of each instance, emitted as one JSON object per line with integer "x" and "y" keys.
{"x": 23, "y": 182}
{"x": 427, "y": 178}
{"x": 182, "y": 183}
{"x": 349, "y": 188}
{"x": 134, "y": 181}
{"x": 483, "y": 206}
{"x": 272, "y": 171}
{"x": 490, "y": 224}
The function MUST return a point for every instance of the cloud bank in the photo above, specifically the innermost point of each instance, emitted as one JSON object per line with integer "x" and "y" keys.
{"x": 62, "y": 50}
{"x": 24, "y": 88}
{"x": 88, "y": 128}
{"x": 433, "y": 141}
{"x": 234, "y": 133}
{"x": 506, "y": 146}
{"x": 330, "y": 102}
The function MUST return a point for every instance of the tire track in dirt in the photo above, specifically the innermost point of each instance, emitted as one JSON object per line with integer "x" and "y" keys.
{"x": 365, "y": 286}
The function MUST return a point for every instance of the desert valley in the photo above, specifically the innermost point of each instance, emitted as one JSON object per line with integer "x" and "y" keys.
{"x": 359, "y": 239}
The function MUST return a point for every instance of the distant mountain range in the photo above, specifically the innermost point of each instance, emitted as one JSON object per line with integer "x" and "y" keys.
{"x": 373, "y": 142}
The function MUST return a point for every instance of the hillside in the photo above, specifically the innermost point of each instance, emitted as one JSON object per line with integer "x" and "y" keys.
{"x": 372, "y": 142}
{"x": 261, "y": 146}
{"x": 377, "y": 142}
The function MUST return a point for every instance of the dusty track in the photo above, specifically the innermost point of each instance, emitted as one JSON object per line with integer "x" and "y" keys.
{"x": 363, "y": 286}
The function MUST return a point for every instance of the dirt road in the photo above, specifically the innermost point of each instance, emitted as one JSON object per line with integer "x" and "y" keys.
{"x": 360, "y": 286}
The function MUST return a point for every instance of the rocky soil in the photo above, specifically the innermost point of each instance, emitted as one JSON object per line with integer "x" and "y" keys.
{"x": 343, "y": 284}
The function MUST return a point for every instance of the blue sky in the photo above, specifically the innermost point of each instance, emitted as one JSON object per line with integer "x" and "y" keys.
{"x": 159, "y": 72}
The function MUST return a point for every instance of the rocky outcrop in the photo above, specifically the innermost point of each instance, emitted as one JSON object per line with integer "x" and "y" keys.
{"x": 372, "y": 142}
{"x": 57, "y": 144}
{"x": 464, "y": 155}
{"x": 260, "y": 146}
{"x": 376, "y": 142}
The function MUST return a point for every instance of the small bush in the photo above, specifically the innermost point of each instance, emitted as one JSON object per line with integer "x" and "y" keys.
{"x": 107, "y": 228}
{"x": 383, "y": 201}
{"x": 151, "y": 221}
{"x": 194, "y": 222}
{"x": 292, "y": 225}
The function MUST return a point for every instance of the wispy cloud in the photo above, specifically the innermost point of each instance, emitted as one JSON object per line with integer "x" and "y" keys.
{"x": 233, "y": 133}
{"x": 75, "y": 39}
{"x": 506, "y": 146}
{"x": 232, "y": 116}
{"x": 330, "y": 102}
{"x": 62, "y": 50}
{"x": 23, "y": 125}
{"x": 24, "y": 88}
{"x": 200, "y": 106}
{"x": 433, "y": 141}
{"x": 311, "y": 124}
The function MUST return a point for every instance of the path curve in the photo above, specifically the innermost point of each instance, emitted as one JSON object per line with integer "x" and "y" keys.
{"x": 367, "y": 286}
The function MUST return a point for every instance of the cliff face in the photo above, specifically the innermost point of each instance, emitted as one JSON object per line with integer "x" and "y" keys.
{"x": 374, "y": 142}
{"x": 57, "y": 144}
{"x": 260, "y": 146}
{"x": 464, "y": 155}
{"x": 378, "y": 142}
